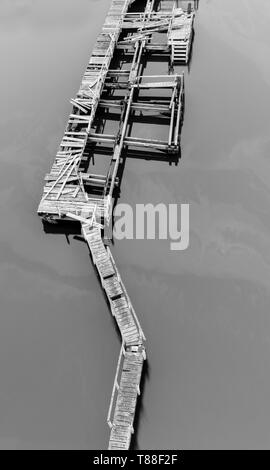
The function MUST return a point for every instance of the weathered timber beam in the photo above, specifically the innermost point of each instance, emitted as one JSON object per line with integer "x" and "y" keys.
{"x": 156, "y": 85}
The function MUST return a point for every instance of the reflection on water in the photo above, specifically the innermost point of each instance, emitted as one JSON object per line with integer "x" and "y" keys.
{"x": 205, "y": 311}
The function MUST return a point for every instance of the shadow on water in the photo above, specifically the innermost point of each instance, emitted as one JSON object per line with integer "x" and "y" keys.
{"x": 140, "y": 407}
{"x": 138, "y": 5}
{"x": 63, "y": 227}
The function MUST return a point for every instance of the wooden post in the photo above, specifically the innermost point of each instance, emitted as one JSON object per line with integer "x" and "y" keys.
{"x": 177, "y": 127}
{"x": 171, "y": 125}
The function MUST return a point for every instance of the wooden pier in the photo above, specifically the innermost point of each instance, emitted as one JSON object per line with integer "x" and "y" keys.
{"x": 117, "y": 89}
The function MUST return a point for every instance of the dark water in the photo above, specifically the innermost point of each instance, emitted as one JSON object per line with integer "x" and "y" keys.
{"x": 205, "y": 311}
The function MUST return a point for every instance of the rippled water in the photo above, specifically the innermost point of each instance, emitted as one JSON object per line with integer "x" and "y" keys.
{"x": 205, "y": 311}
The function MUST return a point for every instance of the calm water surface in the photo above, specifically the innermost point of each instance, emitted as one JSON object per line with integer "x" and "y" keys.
{"x": 205, "y": 311}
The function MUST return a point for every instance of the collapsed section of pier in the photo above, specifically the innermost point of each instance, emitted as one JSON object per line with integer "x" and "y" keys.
{"x": 115, "y": 87}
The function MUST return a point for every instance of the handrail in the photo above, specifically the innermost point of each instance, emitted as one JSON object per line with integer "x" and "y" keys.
{"x": 115, "y": 385}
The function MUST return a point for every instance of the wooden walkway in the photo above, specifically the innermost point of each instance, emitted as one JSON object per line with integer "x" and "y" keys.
{"x": 126, "y": 386}
{"x": 126, "y": 389}
{"x": 73, "y": 191}
{"x": 114, "y": 288}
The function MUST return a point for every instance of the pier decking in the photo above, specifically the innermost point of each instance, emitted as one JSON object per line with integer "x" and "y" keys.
{"x": 120, "y": 91}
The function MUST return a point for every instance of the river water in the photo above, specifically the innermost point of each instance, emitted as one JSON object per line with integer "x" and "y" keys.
{"x": 205, "y": 311}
